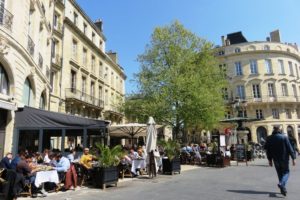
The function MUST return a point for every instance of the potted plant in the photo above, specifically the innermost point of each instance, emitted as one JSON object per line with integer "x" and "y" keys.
{"x": 107, "y": 172}
{"x": 171, "y": 160}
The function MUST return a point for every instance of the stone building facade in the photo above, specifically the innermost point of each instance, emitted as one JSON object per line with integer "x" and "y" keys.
{"x": 264, "y": 76}
{"x": 52, "y": 57}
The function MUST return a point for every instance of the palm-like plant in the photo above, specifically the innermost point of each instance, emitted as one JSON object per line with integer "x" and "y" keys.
{"x": 171, "y": 148}
{"x": 109, "y": 157}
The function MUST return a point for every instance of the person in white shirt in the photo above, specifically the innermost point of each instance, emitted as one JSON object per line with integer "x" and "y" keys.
{"x": 47, "y": 160}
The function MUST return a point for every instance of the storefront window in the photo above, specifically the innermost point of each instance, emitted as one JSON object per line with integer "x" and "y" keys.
{"x": 52, "y": 140}
{"x": 4, "y": 84}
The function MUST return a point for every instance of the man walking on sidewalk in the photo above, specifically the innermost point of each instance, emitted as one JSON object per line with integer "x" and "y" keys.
{"x": 279, "y": 150}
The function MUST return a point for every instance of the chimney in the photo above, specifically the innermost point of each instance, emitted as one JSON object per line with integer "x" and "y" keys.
{"x": 223, "y": 40}
{"x": 268, "y": 39}
{"x": 113, "y": 56}
{"x": 275, "y": 36}
{"x": 99, "y": 24}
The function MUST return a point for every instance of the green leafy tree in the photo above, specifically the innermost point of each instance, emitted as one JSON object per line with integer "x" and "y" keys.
{"x": 179, "y": 81}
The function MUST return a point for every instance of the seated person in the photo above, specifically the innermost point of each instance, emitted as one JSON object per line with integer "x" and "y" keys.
{"x": 30, "y": 161}
{"x": 62, "y": 165}
{"x": 16, "y": 160}
{"x": 133, "y": 154}
{"x": 39, "y": 158}
{"x": 86, "y": 159}
{"x": 24, "y": 169}
{"x": 6, "y": 161}
{"x": 47, "y": 160}
{"x": 71, "y": 156}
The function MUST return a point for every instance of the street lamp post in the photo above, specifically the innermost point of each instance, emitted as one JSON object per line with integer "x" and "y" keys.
{"x": 239, "y": 107}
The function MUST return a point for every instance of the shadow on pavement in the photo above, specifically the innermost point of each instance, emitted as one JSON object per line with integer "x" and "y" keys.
{"x": 271, "y": 194}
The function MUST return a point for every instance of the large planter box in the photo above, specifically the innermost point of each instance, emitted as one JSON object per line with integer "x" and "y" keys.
{"x": 105, "y": 176}
{"x": 171, "y": 167}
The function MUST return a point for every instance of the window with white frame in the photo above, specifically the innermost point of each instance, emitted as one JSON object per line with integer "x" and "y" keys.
{"x": 256, "y": 91}
{"x": 75, "y": 18}
{"x": 84, "y": 28}
{"x": 93, "y": 64}
{"x": 259, "y": 114}
{"x": 84, "y": 57}
{"x": 298, "y": 113}
{"x": 238, "y": 68}
{"x": 266, "y": 47}
{"x": 74, "y": 49}
{"x": 294, "y": 90}
{"x": 73, "y": 81}
{"x": 288, "y": 113}
{"x": 100, "y": 69}
{"x": 83, "y": 85}
{"x": 271, "y": 91}
{"x": 284, "y": 89}
{"x": 93, "y": 37}
{"x": 237, "y": 50}
{"x": 281, "y": 67}
{"x": 291, "y": 69}
{"x": 268, "y": 66}
{"x": 297, "y": 71}
{"x": 253, "y": 66}
{"x": 275, "y": 113}
{"x": 4, "y": 82}
{"x": 240, "y": 91}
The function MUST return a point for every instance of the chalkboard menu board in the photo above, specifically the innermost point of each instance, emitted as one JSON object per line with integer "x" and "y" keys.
{"x": 241, "y": 152}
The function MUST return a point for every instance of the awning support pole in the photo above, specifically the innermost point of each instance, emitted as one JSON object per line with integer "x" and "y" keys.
{"x": 63, "y": 140}
{"x": 84, "y": 138}
{"x": 41, "y": 133}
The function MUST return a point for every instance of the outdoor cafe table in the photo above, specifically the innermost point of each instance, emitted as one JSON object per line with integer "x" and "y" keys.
{"x": 46, "y": 176}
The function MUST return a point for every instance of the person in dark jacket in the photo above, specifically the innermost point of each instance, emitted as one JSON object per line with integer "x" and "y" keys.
{"x": 279, "y": 150}
{"x": 6, "y": 161}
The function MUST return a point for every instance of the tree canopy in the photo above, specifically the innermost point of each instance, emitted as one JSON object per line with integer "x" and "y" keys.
{"x": 179, "y": 80}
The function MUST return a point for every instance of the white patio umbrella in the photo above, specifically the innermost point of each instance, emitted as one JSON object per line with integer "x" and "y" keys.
{"x": 151, "y": 141}
{"x": 131, "y": 130}
{"x": 151, "y": 138}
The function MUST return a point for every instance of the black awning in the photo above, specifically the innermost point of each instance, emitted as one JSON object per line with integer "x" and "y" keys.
{"x": 28, "y": 117}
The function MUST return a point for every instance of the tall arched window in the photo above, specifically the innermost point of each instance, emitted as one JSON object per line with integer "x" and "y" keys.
{"x": 42, "y": 102}
{"x": 4, "y": 83}
{"x": 28, "y": 96}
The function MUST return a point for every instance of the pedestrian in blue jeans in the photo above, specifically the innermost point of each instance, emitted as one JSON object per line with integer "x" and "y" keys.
{"x": 279, "y": 150}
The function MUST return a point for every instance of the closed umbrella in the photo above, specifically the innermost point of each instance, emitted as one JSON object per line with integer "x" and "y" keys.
{"x": 151, "y": 146}
{"x": 151, "y": 138}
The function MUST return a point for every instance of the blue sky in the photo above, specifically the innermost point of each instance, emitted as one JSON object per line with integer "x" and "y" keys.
{"x": 128, "y": 24}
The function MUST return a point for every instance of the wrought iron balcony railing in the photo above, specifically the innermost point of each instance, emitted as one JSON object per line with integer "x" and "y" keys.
{"x": 72, "y": 93}
{"x": 6, "y": 19}
{"x": 267, "y": 99}
{"x": 30, "y": 46}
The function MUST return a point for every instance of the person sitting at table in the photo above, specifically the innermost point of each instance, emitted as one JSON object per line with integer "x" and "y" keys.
{"x": 86, "y": 159}
{"x": 133, "y": 154}
{"x": 31, "y": 162}
{"x": 6, "y": 161}
{"x": 16, "y": 160}
{"x": 39, "y": 158}
{"x": 71, "y": 156}
{"x": 24, "y": 169}
{"x": 47, "y": 160}
{"x": 62, "y": 165}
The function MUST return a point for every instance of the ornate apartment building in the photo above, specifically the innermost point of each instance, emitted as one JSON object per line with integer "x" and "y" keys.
{"x": 265, "y": 77}
{"x": 52, "y": 57}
